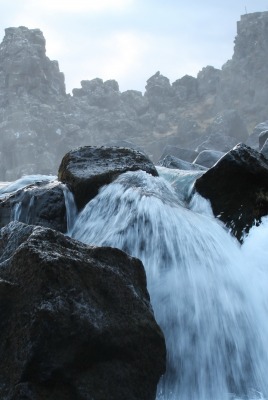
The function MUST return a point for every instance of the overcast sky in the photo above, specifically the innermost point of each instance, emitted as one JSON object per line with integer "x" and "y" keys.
{"x": 129, "y": 40}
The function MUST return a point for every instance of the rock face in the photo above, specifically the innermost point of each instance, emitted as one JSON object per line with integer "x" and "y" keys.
{"x": 39, "y": 122}
{"x": 37, "y": 204}
{"x": 244, "y": 80}
{"x": 237, "y": 187}
{"x": 88, "y": 168}
{"x": 76, "y": 321}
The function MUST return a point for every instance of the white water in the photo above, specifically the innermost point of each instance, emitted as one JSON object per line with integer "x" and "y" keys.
{"x": 11, "y": 187}
{"x": 209, "y": 295}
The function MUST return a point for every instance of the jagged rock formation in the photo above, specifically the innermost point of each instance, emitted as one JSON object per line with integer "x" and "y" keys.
{"x": 39, "y": 122}
{"x": 76, "y": 321}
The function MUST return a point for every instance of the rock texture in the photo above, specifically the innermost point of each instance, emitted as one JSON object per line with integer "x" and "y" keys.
{"x": 86, "y": 169}
{"x": 41, "y": 203}
{"x": 39, "y": 122}
{"x": 76, "y": 322}
{"x": 237, "y": 187}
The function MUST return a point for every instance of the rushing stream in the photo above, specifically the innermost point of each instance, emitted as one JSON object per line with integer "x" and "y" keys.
{"x": 209, "y": 294}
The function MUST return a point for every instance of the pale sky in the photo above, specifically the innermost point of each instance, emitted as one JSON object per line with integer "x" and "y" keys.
{"x": 129, "y": 40}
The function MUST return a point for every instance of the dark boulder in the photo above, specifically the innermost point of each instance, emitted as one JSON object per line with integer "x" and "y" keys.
{"x": 42, "y": 203}
{"x": 237, "y": 187}
{"x": 76, "y": 321}
{"x": 86, "y": 169}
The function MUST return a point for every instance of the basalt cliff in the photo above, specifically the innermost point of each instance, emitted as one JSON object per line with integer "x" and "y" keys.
{"x": 40, "y": 122}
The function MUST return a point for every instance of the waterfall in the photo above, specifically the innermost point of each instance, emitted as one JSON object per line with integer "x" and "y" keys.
{"x": 209, "y": 293}
{"x": 71, "y": 209}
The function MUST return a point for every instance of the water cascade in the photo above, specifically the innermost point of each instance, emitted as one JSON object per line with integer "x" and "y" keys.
{"x": 208, "y": 293}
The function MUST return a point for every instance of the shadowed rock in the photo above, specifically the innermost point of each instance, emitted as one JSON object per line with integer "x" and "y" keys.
{"x": 237, "y": 187}
{"x": 76, "y": 321}
{"x": 41, "y": 203}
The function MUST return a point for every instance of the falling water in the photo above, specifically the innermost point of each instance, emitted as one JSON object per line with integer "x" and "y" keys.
{"x": 209, "y": 295}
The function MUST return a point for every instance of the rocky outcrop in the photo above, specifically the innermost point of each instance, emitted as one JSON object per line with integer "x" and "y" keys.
{"x": 76, "y": 321}
{"x": 32, "y": 90}
{"x": 86, "y": 169}
{"x": 237, "y": 187}
{"x": 39, "y": 122}
{"x": 244, "y": 81}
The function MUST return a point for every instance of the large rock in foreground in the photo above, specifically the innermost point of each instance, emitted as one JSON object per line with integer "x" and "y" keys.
{"x": 76, "y": 321}
{"x": 86, "y": 169}
{"x": 237, "y": 187}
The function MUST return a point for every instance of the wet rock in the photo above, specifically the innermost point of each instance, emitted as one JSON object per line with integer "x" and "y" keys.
{"x": 86, "y": 169}
{"x": 41, "y": 203}
{"x": 237, "y": 187}
{"x": 76, "y": 321}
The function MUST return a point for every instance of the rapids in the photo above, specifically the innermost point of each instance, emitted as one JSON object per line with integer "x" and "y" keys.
{"x": 209, "y": 293}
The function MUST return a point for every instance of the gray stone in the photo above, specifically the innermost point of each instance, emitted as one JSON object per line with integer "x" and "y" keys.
{"x": 86, "y": 169}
